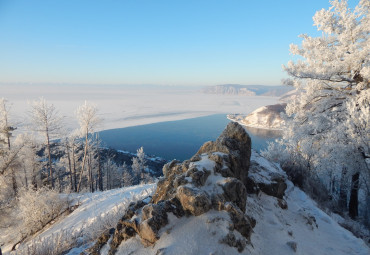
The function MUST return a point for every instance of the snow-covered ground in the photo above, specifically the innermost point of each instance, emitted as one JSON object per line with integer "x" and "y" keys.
{"x": 96, "y": 212}
{"x": 303, "y": 223}
{"x": 124, "y": 106}
{"x": 302, "y": 226}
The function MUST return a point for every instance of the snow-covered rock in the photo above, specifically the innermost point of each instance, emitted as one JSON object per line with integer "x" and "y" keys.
{"x": 213, "y": 180}
{"x": 266, "y": 117}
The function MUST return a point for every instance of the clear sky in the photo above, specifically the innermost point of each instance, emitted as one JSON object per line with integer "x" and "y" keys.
{"x": 172, "y": 42}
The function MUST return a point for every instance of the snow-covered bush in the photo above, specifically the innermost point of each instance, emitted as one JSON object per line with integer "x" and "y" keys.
{"x": 38, "y": 208}
{"x": 54, "y": 244}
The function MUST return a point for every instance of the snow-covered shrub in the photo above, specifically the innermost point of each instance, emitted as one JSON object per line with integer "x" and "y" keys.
{"x": 54, "y": 244}
{"x": 38, "y": 208}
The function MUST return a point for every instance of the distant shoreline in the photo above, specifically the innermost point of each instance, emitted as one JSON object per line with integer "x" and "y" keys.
{"x": 251, "y": 126}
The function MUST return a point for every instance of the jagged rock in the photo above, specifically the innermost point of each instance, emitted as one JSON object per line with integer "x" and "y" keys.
{"x": 242, "y": 223}
{"x": 235, "y": 192}
{"x": 187, "y": 189}
{"x": 275, "y": 189}
{"x": 232, "y": 241}
{"x": 193, "y": 200}
{"x": 126, "y": 228}
{"x": 198, "y": 177}
{"x": 263, "y": 178}
{"x": 236, "y": 143}
{"x": 102, "y": 240}
{"x": 154, "y": 217}
{"x": 167, "y": 186}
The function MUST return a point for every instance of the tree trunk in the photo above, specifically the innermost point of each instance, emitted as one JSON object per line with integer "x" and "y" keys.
{"x": 70, "y": 166}
{"x": 100, "y": 175}
{"x": 51, "y": 180}
{"x": 353, "y": 201}
{"x": 343, "y": 190}
{"x": 83, "y": 162}
{"x": 14, "y": 182}
{"x": 74, "y": 169}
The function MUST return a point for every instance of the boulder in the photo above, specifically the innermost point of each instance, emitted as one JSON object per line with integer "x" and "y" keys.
{"x": 193, "y": 200}
{"x": 235, "y": 191}
{"x": 276, "y": 188}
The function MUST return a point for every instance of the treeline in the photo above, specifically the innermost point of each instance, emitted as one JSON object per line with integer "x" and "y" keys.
{"x": 46, "y": 155}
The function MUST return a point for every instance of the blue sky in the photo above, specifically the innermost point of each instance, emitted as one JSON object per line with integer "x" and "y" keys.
{"x": 172, "y": 42}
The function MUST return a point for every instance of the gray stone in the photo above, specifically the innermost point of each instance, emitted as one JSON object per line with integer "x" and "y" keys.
{"x": 193, "y": 200}
{"x": 236, "y": 143}
{"x": 235, "y": 192}
{"x": 232, "y": 241}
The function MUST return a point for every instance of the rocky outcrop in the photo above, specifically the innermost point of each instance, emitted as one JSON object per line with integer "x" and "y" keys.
{"x": 235, "y": 143}
{"x": 215, "y": 178}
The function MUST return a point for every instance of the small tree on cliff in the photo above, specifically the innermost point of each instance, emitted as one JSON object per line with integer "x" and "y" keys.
{"x": 333, "y": 73}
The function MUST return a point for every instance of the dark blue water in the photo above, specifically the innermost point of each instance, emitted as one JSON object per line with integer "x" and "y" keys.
{"x": 179, "y": 139}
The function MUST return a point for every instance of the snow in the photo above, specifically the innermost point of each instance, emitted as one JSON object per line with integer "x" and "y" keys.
{"x": 123, "y": 106}
{"x": 274, "y": 224}
{"x": 96, "y": 210}
{"x": 186, "y": 236}
{"x": 265, "y": 117}
{"x": 303, "y": 223}
{"x": 270, "y": 169}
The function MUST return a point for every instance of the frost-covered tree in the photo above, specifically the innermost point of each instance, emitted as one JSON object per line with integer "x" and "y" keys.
{"x": 29, "y": 163}
{"x": 7, "y": 153}
{"x": 127, "y": 177}
{"x": 47, "y": 121}
{"x": 39, "y": 207}
{"x": 333, "y": 73}
{"x": 112, "y": 177}
{"x": 87, "y": 116}
{"x": 136, "y": 168}
{"x": 6, "y": 127}
{"x": 141, "y": 163}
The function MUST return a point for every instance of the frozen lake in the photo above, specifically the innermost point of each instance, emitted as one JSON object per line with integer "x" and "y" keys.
{"x": 179, "y": 139}
{"x": 128, "y": 106}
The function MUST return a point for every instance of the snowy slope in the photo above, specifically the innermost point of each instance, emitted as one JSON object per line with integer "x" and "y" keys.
{"x": 303, "y": 223}
{"x": 302, "y": 226}
{"x": 96, "y": 211}
{"x": 266, "y": 117}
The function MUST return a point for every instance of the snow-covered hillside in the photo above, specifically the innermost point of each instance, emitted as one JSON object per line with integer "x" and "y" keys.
{"x": 205, "y": 205}
{"x": 302, "y": 226}
{"x": 95, "y": 212}
{"x": 267, "y": 117}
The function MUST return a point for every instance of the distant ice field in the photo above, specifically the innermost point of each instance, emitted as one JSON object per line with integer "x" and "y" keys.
{"x": 126, "y": 106}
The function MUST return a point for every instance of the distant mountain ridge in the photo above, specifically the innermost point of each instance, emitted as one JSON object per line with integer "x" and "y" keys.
{"x": 247, "y": 90}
